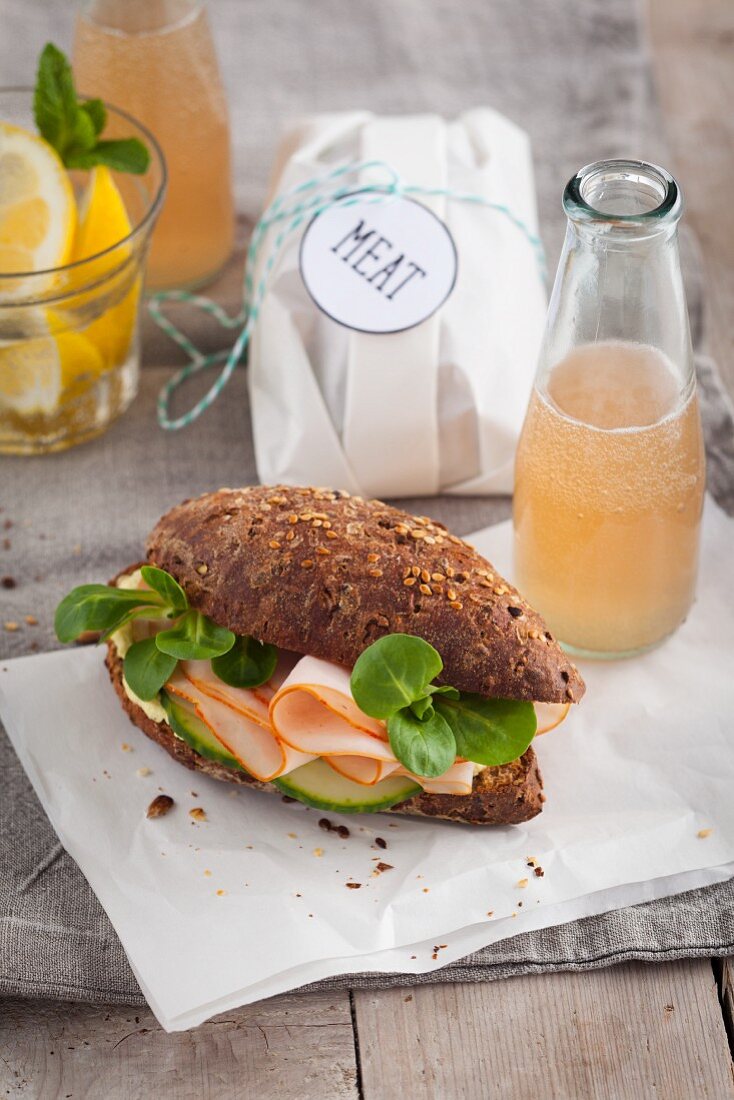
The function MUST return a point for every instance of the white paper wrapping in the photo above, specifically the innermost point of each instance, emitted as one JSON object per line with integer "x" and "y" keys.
{"x": 437, "y": 408}
{"x": 253, "y": 901}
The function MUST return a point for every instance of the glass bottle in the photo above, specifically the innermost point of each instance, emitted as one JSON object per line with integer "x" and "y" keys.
{"x": 609, "y": 476}
{"x": 156, "y": 59}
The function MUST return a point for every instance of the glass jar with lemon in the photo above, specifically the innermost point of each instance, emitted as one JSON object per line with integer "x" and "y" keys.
{"x": 74, "y": 233}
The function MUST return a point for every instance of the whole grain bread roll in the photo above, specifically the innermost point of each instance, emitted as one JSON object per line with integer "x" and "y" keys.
{"x": 321, "y": 572}
{"x": 507, "y": 795}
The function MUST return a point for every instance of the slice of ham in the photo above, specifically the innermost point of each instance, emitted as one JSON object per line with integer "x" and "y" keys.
{"x": 251, "y": 742}
{"x": 362, "y": 769}
{"x": 458, "y": 779}
{"x": 550, "y": 715}
{"x": 304, "y": 712}
{"x": 314, "y": 712}
{"x": 253, "y": 703}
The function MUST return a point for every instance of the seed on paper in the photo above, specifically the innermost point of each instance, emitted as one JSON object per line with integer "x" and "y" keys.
{"x": 198, "y": 813}
{"x": 703, "y": 833}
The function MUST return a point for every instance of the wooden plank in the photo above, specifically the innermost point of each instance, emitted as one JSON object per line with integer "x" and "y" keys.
{"x": 618, "y": 1034}
{"x": 726, "y": 971}
{"x": 691, "y": 44}
{"x": 290, "y": 1046}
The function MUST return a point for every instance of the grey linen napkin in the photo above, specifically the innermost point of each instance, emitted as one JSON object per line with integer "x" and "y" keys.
{"x": 79, "y": 516}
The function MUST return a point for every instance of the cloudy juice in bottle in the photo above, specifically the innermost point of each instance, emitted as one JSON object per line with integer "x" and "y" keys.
{"x": 610, "y": 469}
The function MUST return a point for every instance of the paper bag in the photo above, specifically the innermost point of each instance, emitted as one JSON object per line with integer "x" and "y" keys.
{"x": 438, "y": 407}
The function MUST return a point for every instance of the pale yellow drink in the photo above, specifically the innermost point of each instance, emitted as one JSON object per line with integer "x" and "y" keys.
{"x": 156, "y": 59}
{"x": 609, "y": 487}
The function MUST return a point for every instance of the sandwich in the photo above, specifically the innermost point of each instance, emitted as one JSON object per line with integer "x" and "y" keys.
{"x": 335, "y": 650}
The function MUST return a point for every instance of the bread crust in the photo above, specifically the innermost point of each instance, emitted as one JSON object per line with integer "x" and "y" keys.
{"x": 324, "y": 573}
{"x": 506, "y": 795}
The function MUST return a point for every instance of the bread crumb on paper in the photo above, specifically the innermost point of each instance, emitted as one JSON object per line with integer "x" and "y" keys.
{"x": 318, "y": 852}
{"x": 703, "y": 833}
{"x": 221, "y": 893}
{"x": 126, "y": 748}
{"x": 522, "y": 883}
{"x": 208, "y": 873}
{"x": 353, "y": 885}
{"x": 160, "y": 806}
{"x": 198, "y": 813}
{"x": 143, "y": 772}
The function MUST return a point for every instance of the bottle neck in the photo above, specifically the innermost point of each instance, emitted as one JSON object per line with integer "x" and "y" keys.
{"x": 623, "y": 196}
{"x": 139, "y": 17}
{"x": 619, "y": 278}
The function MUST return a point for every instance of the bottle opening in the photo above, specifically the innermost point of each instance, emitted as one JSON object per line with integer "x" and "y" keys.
{"x": 622, "y": 190}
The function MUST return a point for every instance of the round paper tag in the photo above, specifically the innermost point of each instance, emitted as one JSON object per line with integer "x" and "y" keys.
{"x": 378, "y": 266}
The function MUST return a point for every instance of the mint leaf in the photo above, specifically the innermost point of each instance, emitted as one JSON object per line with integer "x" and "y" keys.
{"x": 195, "y": 638}
{"x": 54, "y": 99}
{"x": 146, "y": 669}
{"x": 247, "y": 664}
{"x": 392, "y": 673}
{"x": 488, "y": 731}
{"x": 72, "y": 126}
{"x": 83, "y": 135}
{"x": 126, "y": 155}
{"x": 424, "y": 746}
{"x": 97, "y": 607}
{"x": 97, "y": 112}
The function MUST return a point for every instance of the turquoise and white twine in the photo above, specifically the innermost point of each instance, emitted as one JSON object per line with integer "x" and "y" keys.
{"x": 311, "y": 199}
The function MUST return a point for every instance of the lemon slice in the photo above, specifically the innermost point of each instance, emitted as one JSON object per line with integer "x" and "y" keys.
{"x": 37, "y": 208}
{"x": 35, "y": 375}
{"x": 103, "y": 223}
{"x": 103, "y": 220}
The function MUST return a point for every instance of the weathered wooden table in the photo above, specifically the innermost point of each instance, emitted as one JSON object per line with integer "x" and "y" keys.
{"x": 633, "y": 1031}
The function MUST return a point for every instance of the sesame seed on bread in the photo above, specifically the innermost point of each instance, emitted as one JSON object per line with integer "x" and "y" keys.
{"x": 324, "y": 573}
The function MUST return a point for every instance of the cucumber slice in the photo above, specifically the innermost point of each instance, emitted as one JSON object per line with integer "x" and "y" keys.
{"x": 318, "y": 785}
{"x": 184, "y": 721}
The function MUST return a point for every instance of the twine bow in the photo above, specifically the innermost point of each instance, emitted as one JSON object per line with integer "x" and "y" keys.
{"x": 289, "y": 211}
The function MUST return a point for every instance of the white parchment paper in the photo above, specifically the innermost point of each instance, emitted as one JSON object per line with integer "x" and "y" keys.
{"x": 254, "y": 900}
